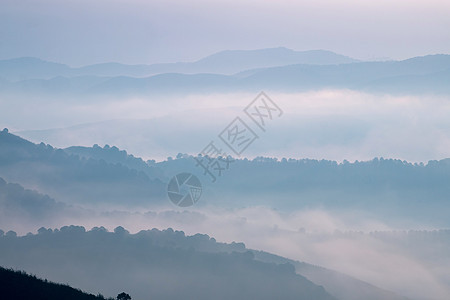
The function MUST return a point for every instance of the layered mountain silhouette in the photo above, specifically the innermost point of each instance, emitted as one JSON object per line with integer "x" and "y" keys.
{"x": 77, "y": 177}
{"x": 225, "y": 62}
{"x": 385, "y": 188}
{"x": 276, "y": 69}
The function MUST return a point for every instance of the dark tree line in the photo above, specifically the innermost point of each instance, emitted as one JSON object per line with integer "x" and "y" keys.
{"x": 19, "y": 285}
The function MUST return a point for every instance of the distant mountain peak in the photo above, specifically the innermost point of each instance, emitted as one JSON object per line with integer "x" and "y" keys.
{"x": 276, "y": 57}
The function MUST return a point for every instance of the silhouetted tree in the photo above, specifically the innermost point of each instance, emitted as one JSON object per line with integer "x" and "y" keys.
{"x": 123, "y": 296}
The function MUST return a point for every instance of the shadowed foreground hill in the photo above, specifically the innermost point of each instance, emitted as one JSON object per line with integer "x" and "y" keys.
{"x": 18, "y": 285}
{"x": 152, "y": 265}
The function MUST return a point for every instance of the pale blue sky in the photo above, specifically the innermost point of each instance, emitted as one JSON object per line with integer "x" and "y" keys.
{"x": 133, "y": 31}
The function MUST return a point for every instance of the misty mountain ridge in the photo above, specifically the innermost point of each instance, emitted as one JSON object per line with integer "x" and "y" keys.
{"x": 427, "y": 74}
{"x": 224, "y": 62}
{"x": 384, "y": 188}
{"x": 153, "y": 264}
{"x": 140, "y": 256}
{"x": 73, "y": 178}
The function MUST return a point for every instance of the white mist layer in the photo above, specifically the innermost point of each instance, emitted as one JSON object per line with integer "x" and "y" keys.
{"x": 328, "y": 124}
